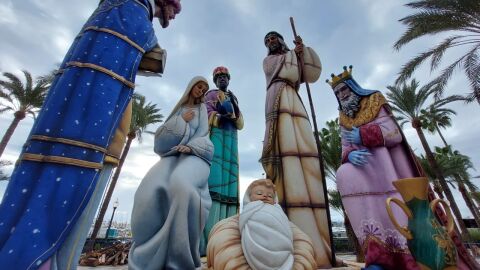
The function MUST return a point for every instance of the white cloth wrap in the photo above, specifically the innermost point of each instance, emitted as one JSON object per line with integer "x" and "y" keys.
{"x": 267, "y": 240}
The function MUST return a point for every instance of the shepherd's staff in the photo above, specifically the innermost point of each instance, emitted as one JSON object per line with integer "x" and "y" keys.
{"x": 319, "y": 148}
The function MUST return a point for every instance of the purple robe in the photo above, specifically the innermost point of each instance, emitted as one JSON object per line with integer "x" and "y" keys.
{"x": 364, "y": 190}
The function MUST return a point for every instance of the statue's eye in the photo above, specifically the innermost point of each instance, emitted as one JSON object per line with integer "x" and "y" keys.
{"x": 270, "y": 195}
{"x": 259, "y": 192}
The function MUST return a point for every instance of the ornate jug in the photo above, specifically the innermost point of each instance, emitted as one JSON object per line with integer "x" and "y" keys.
{"x": 427, "y": 240}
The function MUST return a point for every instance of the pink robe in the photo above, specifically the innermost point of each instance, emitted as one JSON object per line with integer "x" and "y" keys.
{"x": 364, "y": 190}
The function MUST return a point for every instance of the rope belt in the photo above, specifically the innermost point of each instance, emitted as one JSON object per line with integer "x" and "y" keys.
{"x": 62, "y": 160}
{"x": 115, "y": 33}
{"x": 102, "y": 69}
{"x": 291, "y": 84}
{"x": 69, "y": 142}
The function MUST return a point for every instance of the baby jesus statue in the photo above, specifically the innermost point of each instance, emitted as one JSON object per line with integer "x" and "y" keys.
{"x": 261, "y": 237}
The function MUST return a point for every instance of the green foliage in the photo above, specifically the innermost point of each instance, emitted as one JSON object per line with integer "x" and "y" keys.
{"x": 453, "y": 164}
{"x": 462, "y": 18}
{"x": 22, "y": 97}
{"x": 143, "y": 115}
{"x": 331, "y": 144}
{"x": 474, "y": 234}
{"x": 433, "y": 118}
{"x": 335, "y": 201}
{"x": 409, "y": 101}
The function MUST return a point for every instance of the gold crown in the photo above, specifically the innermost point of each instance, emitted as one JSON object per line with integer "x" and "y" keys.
{"x": 346, "y": 74}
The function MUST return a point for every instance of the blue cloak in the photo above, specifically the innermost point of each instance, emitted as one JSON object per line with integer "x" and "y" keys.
{"x": 62, "y": 158}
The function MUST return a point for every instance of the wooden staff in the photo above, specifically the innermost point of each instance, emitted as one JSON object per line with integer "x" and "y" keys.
{"x": 319, "y": 148}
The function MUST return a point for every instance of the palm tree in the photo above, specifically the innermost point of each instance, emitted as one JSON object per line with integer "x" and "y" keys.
{"x": 455, "y": 165}
{"x": 435, "y": 118}
{"x": 142, "y": 116}
{"x": 22, "y": 99}
{"x": 462, "y": 18}
{"x": 455, "y": 168}
{"x": 408, "y": 102}
{"x": 331, "y": 146}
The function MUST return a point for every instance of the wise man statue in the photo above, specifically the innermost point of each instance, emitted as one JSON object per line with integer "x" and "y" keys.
{"x": 224, "y": 119}
{"x": 374, "y": 154}
{"x": 61, "y": 174}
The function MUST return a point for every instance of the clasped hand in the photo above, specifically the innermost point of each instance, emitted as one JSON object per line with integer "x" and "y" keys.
{"x": 182, "y": 148}
{"x": 359, "y": 157}
{"x": 298, "y": 45}
{"x": 353, "y": 136}
{"x": 188, "y": 115}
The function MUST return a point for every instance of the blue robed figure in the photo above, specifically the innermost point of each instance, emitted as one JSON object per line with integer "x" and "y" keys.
{"x": 65, "y": 153}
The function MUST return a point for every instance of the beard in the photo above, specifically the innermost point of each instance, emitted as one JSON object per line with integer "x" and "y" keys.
{"x": 351, "y": 106}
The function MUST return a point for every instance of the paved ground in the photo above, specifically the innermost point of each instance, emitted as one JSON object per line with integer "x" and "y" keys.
{"x": 125, "y": 267}
{"x": 350, "y": 260}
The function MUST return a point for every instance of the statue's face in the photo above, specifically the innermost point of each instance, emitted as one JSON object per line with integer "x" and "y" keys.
{"x": 166, "y": 12}
{"x": 262, "y": 193}
{"x": 222, "y": 81}
{"x": 198, "y": 90}
{"x": 272, "y": 43}
{"x": 342, "y": 91}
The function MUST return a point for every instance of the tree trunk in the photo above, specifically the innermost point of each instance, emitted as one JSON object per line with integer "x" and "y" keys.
{"x": 443, "y": 183}
{"x": 108, "y": 196}
{"x": 441, "y": 135}
{"x": 438, "y": 189}
{"x": 468, "y": 200}
{"x": 476, "y": 197}
{"x": 19, "y": 115}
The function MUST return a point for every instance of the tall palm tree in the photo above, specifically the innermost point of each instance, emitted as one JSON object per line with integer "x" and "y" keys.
{"x": 331, "y": 146}
{"x": 407, "y": 101}
{"x": 455, "y": 168}
{"x": 455, "y": 165}
{"x": 435, "y": 118}
{"x": 21, "y": 98}
{"x": 142, "y": 116}
{"x": 462, "y": 19}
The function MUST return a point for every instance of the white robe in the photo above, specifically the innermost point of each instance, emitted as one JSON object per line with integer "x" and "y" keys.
{"x": 172, "y": 202}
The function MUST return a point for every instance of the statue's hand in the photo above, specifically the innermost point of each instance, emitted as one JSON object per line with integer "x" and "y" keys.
{"x": 298, "y": 45}
{"x": 359, "y": 157}
{"x": 188, "y": 115}
{"x": 353, "y": 136}
{"x": 182, "y": 149}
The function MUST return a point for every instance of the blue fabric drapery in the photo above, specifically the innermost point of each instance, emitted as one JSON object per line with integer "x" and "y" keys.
{"x": 47, "y": 192}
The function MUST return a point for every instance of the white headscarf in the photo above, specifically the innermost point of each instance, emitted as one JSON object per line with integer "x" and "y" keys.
{"x": 184, "y": 98}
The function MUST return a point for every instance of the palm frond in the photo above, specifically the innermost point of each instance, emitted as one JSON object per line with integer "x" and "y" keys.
{"x": 143, "y": 115}
{"x": 6, "y": 109}
{"x": 439, "y": 83}
{"x": 335, "y": 200}
{"x": 29, "y": 81}
{"x": 5, "y": 96}
{"x": 429, "y": 22}
{"x": 15, "y": 82}
{"x": 471, "y": 66}
{"x": 435, "y": 53}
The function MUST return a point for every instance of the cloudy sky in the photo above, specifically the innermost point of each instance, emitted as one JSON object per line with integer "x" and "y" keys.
{"x": 207, "y": 33}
